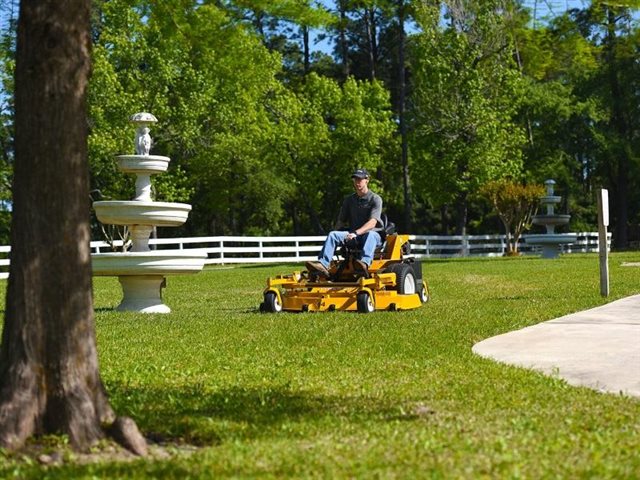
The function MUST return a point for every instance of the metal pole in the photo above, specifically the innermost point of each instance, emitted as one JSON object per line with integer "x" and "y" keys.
{"x": 603, "y": 223}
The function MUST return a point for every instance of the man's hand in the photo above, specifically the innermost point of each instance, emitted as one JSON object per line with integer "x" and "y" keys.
{"x": 351, "y": 236}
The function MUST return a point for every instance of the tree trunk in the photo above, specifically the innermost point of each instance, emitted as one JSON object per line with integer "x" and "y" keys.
{"x": 461, "y": 214}
{"x": 444, "y": 219}
{"x": 342, "y": 39}
{"x": 402, "y": 87}
{"x": 621, "y": 130}
{"x": 369, "y": 18}
{"x": 306, "y": 49}
{"x": 49, "y": 377}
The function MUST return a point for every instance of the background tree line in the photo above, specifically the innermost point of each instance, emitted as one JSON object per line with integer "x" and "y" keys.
{"x": 436, "y": 98}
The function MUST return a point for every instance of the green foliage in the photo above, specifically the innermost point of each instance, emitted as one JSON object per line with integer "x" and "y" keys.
{"x": 343, "y": 395}
{"x": 514, "y": 203}
{"x": 580, "y": 107}
{"x": 325, "y": 131}
{"x": 262, "y": 127}
{"x": 465, "y": 96}
{"x": 7, "y": 66}
{"x": 245, "y": 149}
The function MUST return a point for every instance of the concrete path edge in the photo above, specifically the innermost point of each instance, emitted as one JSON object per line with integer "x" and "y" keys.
{"x": 597, "y": 348}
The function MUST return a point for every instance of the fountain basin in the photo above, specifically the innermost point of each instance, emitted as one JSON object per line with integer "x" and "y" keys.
{"x": 133, "y": 212}
{"x": 143, "y": 164}
{"x": 142, "y": 275}
{"x": 549, "y": 199}
{"x": 153, "y": 262}
{"x": 555, "y": 219}
{"x": 551, "y": 239}
{"x": 550, "y": 242}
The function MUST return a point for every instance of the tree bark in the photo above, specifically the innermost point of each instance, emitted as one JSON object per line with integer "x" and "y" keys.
{"x": 49, "y": 377}
{"x": 370, "y": 23}
{"x": 622, "y": 160}
{"x": 342, "y": 39}
{"x": 402, "y": 89}
{"x": 306, "y": 49}
{"x": 461, "y": 213}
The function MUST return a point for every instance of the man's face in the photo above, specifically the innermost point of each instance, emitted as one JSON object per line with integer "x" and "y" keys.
{"x": 360, "y": 185}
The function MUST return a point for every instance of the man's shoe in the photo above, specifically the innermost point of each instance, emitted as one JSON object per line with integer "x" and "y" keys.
{"x": 360, "y": 266}
{"x": 317, "y": 267}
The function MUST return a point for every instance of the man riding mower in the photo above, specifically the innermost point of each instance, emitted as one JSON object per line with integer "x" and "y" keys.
{"x": 371, "y": 276}
{"x": 393, "y": 281}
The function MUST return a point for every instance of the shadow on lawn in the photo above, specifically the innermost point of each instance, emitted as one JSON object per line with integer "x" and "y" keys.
{"x": 203, "y": 417}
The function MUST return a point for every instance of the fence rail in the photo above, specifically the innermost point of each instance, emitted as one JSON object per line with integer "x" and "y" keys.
{"x": 227, "y": 249}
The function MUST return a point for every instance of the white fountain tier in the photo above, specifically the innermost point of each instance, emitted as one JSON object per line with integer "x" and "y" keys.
{"x": 134, "y": 212}
{"x": 142, "y": 164}
{"x": 152, "y": 262}
{"x": 142, "y": 271}
{"x": 142, "y": 275}
{"x": 550, "y": 241}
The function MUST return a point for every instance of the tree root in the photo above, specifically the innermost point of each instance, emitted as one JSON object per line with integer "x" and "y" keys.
{"x": 125, "y": 432}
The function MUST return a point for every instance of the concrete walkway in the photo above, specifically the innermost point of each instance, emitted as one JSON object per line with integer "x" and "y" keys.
{"x": 597, "y": 348}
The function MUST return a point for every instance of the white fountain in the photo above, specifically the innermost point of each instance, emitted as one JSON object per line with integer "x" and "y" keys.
{"x": 550, "y": 241}
{"x": 142, "y": 271}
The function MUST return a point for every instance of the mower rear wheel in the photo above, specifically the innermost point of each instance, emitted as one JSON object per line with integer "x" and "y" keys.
{"x": 365, "y": 303}
{"x": 405, "y": 279}
{"x": 272, "y": 303}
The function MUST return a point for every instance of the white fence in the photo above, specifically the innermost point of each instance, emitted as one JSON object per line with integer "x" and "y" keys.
{"x": 223, "y": 250}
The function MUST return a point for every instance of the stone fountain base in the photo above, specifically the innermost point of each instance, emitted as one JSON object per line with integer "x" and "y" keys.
{"x": 142, "y": 275}
{"x": 143, "y": 293}
{"x": 550, "y": 243}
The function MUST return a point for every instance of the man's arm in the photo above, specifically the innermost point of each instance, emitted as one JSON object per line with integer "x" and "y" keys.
{"x": 369, "y": 224}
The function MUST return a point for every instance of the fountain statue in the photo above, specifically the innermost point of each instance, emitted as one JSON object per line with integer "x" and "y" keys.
{"x": 550, "y": 241}
{"x": 142, "y": 271}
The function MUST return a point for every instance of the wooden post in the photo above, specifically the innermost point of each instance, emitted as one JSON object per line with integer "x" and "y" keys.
{"x": 603, "y": 223}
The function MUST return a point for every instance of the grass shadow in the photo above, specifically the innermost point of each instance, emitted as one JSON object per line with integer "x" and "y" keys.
{"x": 200, "y": 416}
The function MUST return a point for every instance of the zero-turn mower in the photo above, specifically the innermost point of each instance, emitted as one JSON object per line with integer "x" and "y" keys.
{"x": 394, "y": 281}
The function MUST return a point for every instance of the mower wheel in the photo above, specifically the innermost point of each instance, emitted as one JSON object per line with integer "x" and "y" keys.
{"x": 405, "y": 278}
{"x": 272, "y": 303}
{"x": 365, "y": 303}
{"x": 423, "y": 294}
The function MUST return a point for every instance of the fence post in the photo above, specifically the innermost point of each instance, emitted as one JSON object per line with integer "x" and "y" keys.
{"x": 603, "y": 244}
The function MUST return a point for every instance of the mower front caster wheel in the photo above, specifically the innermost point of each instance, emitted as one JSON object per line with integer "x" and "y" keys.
{"x": 272, "y": 303}
{"x": 365, "y": 303}
{"x": 423, "y": 293}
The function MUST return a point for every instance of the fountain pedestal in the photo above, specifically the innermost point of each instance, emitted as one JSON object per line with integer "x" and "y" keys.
{"x": 141, "y": 271}
{"x": 550, "y": 241}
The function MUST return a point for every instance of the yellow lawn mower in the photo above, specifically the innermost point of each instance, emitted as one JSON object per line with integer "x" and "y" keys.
{"x": 392, "y": 282}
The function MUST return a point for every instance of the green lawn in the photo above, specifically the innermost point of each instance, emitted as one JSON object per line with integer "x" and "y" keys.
{"x": 385, "y": 395}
